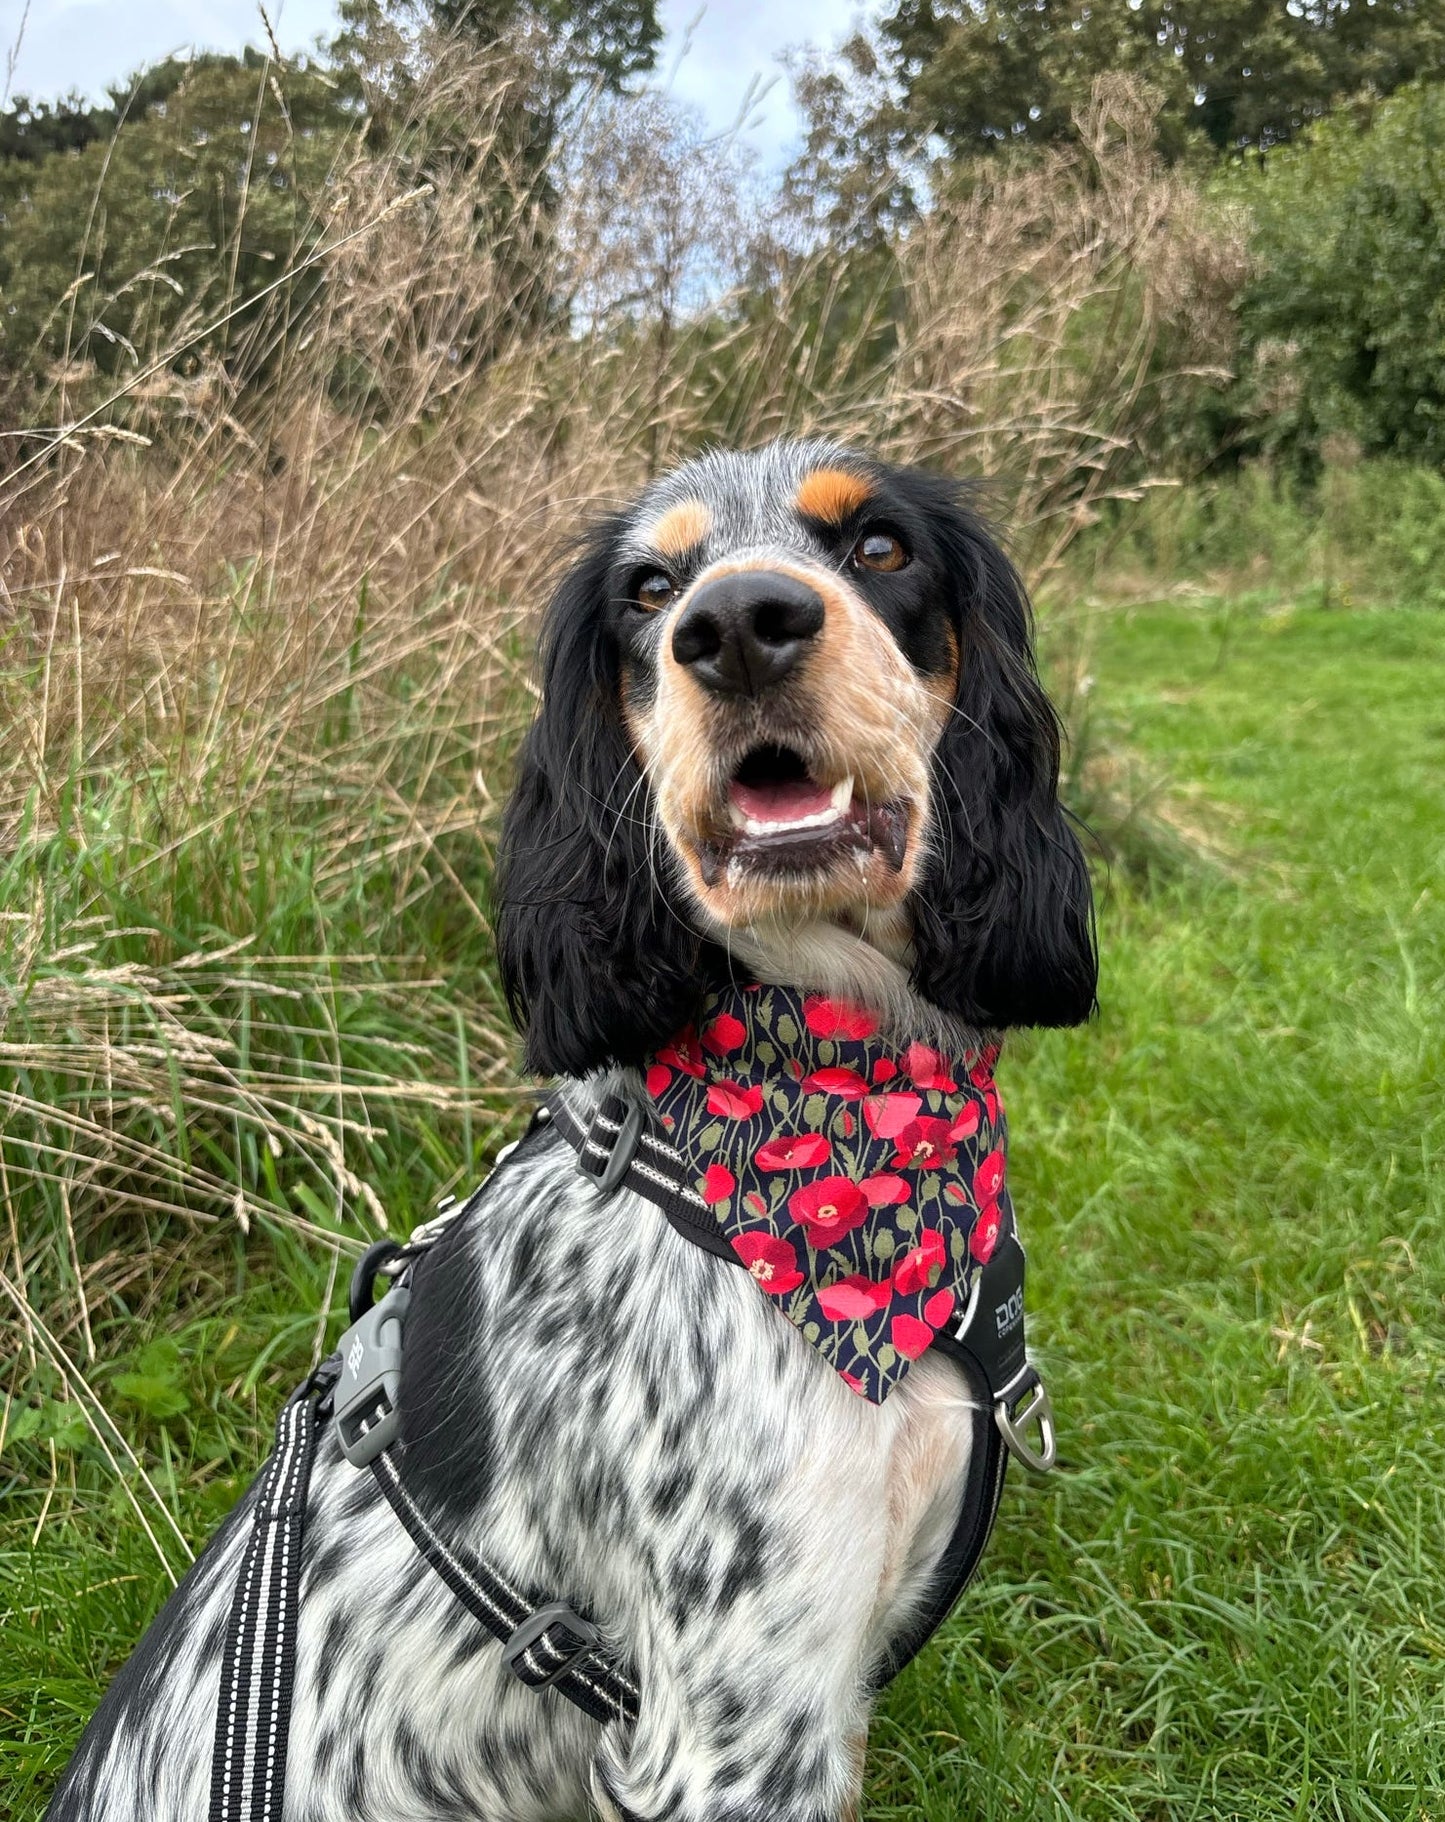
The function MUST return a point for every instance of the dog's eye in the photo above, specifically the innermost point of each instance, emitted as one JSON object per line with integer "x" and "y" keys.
{"x": 655, "y": 590}
{"x": 879, "y": 550}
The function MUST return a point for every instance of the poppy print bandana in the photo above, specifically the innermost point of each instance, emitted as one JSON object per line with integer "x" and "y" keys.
{"x": 860, "y": 1181}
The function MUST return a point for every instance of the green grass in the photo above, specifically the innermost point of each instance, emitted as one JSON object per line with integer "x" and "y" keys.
{"x": 1228, "y": 1603}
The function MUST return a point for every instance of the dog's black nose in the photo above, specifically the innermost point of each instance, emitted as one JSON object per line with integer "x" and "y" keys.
{"x": 741, "y": 633}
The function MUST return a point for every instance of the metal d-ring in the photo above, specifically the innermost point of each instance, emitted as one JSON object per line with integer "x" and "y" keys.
{"x": 1030, "y": 1406}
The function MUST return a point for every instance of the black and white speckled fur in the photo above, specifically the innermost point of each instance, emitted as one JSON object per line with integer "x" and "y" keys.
{"x": 564, "y": 1404}
{"x": 601, "y": 1409}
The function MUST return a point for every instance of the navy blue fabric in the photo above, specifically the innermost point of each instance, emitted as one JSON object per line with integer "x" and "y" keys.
{"x": 860, "y": 1180}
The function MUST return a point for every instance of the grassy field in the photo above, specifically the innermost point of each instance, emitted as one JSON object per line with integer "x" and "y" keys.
{"x": 1228, "y": 1603}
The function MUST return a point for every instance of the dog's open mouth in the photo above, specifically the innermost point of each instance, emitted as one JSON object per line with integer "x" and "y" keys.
{"x": 783, "y": 819}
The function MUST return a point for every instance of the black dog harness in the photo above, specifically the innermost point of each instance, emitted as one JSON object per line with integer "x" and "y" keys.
{"x": 545, "y": 1643}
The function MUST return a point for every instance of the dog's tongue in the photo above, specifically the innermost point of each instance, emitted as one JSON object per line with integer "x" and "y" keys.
{"x": 780, "y": 802}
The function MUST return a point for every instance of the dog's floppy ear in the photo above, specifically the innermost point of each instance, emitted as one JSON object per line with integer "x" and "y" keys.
{"x": 1003, "y": 911}
{"x": 597, "y": 967}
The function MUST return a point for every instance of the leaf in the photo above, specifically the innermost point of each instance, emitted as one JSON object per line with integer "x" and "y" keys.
{"x": 24, "y": 1422}
{"x": 63, "y": 1425}
{"x": 156, "y": 1383}
{"x": 156, "y": 1396}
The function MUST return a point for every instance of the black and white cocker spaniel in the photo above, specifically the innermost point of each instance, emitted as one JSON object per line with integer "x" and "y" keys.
{"x": 784, "y": 857}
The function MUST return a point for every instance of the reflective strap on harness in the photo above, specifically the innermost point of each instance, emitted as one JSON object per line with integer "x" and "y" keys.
{"x": 616, "y": 1145}
{"x": 544, "y": 1643}
{"x": 248, "y": 1762}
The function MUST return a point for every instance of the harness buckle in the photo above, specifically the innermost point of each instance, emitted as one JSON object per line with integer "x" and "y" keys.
{"x": 613, "y": 1135}
{"x": 1023, "y": 1402}
{"x": 365, "y": 1400}
{"x": 534, "y": 1653}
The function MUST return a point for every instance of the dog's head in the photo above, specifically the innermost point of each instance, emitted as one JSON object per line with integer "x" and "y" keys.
{"x": 790, "y": 715}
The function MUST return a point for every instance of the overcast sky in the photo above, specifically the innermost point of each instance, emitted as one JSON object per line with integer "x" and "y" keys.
{"x": 84, "y": 44}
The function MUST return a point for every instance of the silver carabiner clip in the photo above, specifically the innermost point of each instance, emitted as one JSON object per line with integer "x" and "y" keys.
{"x": 1030, "y": 1405}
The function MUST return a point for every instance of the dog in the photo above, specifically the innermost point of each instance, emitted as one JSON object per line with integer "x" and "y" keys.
{"x": 791, "y": 733}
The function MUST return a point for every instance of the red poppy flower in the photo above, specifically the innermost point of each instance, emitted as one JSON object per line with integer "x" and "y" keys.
{"x": 938, "y": 1309}
{"x": 718, "y": 1184}
{"x": 828, "y": 1208}
{"x": 909, "y": 1336}
{"x": 848, "y": 1123}
{"x": 884, "y": 1070}
{"x": 915, "y": 1270}
{"x": 684, "y": 1053}
{"x": 853, "y": 1383}
{"x": 845, "y": 1082}
{"x": 884, "y": 1189}
{"x": 925, "y": 1144}
{"x": 792, "y": 1151}
{"x": 984, "y": 1237}
{"x": 981, "y": 1075}
{"x": 658, "y": 1077}
{"x": 838, "y": 1019}
{"x": 852, "y": 1299}
{"x": 965, "y": 1122}
{"x": 988, "y": 1179}
{"x": 724, "y": 1035}
{"x": 735, "y": 1100}
{"x": 929, "y": 1068}
{"x": 888, "y": 1114}
{"x": 771, "y": 1261}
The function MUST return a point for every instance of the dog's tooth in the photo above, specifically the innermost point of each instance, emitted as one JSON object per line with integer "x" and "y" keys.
{"x": 820, "y": 819}
{"x": 842, "y": 795}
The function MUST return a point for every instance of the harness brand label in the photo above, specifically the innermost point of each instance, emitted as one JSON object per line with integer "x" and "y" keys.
{"x": 355, "y": 1354}
{"x": 1008, "y": 1315}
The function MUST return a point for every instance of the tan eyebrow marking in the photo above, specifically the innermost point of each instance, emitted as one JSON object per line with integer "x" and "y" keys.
{"x": 831, "y": 494}
{"x": 680, "y": 529}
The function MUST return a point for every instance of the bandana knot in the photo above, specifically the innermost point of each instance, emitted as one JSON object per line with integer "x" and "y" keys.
{"x": 861, "y": 1182}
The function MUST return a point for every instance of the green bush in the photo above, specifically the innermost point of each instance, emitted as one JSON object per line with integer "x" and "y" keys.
{"x": 1344, "y": 318}
{"x": 212, "y": 188}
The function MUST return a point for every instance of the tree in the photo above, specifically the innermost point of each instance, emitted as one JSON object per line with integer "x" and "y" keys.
{"x": 191, "y": 194}
{"x": 1238, "y": 73}
{"x": 1345, "y": 315}
{"x": 609, "y": 41}
{"x": 569, "y": 41}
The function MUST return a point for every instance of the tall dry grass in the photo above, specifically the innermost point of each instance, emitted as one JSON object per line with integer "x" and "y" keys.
{"x": 264, "y": 646}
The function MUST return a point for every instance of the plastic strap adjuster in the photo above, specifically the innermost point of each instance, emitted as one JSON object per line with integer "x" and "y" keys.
{"x": 365, "y": 1400}
{"x": 613, "y": 1135}
{"x": 536, "y": 1656}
